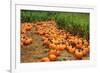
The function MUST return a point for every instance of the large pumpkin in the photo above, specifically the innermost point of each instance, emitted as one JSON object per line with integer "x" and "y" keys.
{"x": 28, "y": 26}
{"x": 78, "y": 53}
{"x": 55, "y": 52}
{"x": 28, "y": 41}
{"x": 45, "y": 59}
{"x": 52, "y": 57}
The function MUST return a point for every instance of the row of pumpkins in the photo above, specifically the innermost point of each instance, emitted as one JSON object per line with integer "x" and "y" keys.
{"x": 58, "y": 40}
{"x": 25, "y": 40}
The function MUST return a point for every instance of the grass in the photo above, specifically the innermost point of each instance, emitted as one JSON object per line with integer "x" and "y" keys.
{"x": 76, "y": 23}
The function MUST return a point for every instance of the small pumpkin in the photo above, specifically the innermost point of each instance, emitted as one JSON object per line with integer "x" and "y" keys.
{"x": 79, "y": 45}
{"x": 41, "y": 32}
{"x": 71, "y": 50}
{"x": 23, "y": 40}
{"x": 28, "y": 26}
{"x": 85, "y": 42}
{"x": 78, "y": 53}
{"x": 21, "y": 43}
{"x": 44, "y": 38}
{"x": 44, "y": 25}
{"x": 61, "y": 46}
{"x": 46, "y": 41}
{"x": 84, "y": 52}
{"x": 46, "y": 35}
{"x": 52, "y": 57}
{"x": 55, "y": 52}
{"x": 45, "y": 59}
{"x": 68, "y": 47}
{"x": 23, "y": 31}
{"x": 28, "y": 41}
{"x": 52, "y": 46}
{"x": 86, "y": 49}
{"x": 66, "y": 43}
{"x": 54, "y": 41}
{"x": 57, "y": 47}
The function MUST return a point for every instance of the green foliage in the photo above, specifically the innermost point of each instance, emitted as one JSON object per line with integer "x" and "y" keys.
{"x": 76, "y": 23}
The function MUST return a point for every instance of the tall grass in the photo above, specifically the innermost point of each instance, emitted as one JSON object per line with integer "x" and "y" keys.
{"x": 76, "y": 23}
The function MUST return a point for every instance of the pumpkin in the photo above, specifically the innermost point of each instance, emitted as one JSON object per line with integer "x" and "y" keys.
{"x": 44, "y": 25}
{"x": 44, "y": 38}
{"x": 28, "y": 26}
{"x": 46, "y": 41}
{"x": 55, "y": 52}
{"x": 47, "y": 35}
{"x": 54, "y": 41}
{"x": 78, "y": 53}
{"x": 23, "y": 39}
{"x": 52, "y": 57}
{"x": 28, "y": 41}
{"x": 41, "y": 32}
{"x": 68, "y": 47}
{"x": 21, "y": 43}
{"x": 23, "y": 31}
{"x": 61, "y": 46}
{"x": 84, "y": 52}
{"x": 23, "y": 35}
{"x": 75, "y": 41}
{"x": 45, "y": 59}
{"x": 71, "y": 50}
{"x": 66, "y": 43}
{"x": 86, "y": 49}
{"x": 79, "y": 45}
{"x": 85, "y": 43}
{"x": 52, "y": 46}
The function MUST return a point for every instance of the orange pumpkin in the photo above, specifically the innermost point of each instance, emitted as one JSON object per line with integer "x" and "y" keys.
{"x": 67, "y": 43}
{"x": 78, "y": 53}
{"x": 84, "y": 52}
{"x": 45, "y": 59}
{"x": 52, "y": 57}
{"x": 55, "y": 52}
{"x": 71, "y": 50}
{"x": 61, "y": 46}
{"x": 85, "y": 43}
{"x": 64, "y": 46}
{"x": 52, "y": 46}
{"x": 41, "y": 32}
{"x": 68, "y": 47}
{"x": 54, "y": 41}
{"x": 21, "y": 43}
{"x": 28, "y": 41}
{"x": 44, "y": 38}
{"x": 86, "y": 49}
{"x": 23, "y": 40}
{"x": 28, "y": 26}
{"x": 46, "y": 41}
{"x": 23, "y": 35}
{"x": 44, "y": 25}
{"x": 75, "y": 41}
{"x": 79, "y": 45}
{"x": 23, "y": 31}
{"x": 47, "y": 35}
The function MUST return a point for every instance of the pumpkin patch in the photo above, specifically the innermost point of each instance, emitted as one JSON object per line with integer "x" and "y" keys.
{"x": 48, "y": 41}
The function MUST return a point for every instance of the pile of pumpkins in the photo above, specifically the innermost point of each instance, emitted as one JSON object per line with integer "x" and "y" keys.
{"x": 52, "y": 56}
{"x": 25, "y": 40}
{"x": 58, "y": 40}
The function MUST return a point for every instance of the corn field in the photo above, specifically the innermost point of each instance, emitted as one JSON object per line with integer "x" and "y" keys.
{"x": 76, "y": 23}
